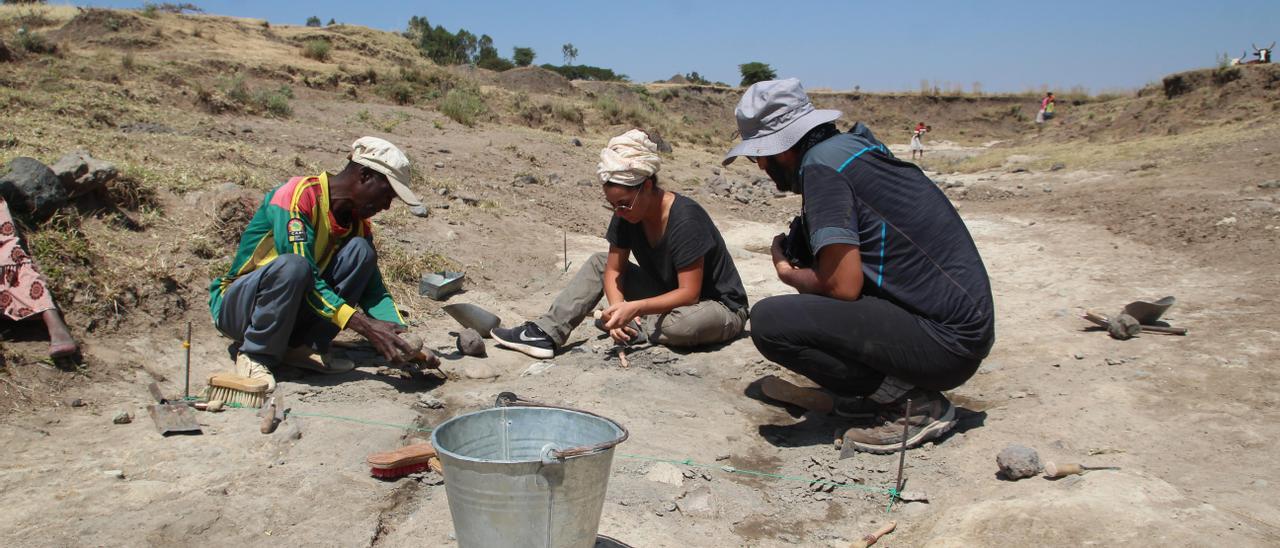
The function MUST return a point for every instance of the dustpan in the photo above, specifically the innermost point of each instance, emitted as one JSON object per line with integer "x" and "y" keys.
{"x": 470, "y": 315}
{"x": 1148, "y": 313}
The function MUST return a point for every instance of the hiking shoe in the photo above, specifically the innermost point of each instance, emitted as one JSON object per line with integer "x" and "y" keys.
{"x": 526, "y": 338}
{"x": 931, "y": 416}
{"x": 819, "y": 400}
{"x": 303, "y": 357}
{"x": 246, "y": 366}
{"x": 813, "y": 399}
{"x": 638, "y": 338}
{"x": 856, "y": 408}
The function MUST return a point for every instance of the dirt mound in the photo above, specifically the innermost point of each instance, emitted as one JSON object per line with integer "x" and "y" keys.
{"x": 115, "y": 28}
{"x": 534, "y": 80}
{"x": 1243, "y": 97}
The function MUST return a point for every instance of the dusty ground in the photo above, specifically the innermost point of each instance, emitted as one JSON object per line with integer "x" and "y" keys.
{"x": 1191, "y": 420}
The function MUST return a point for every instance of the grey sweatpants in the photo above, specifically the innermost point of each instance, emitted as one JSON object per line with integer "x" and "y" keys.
{"x": 263, "y": 312}
{"x": 707, "y": 322}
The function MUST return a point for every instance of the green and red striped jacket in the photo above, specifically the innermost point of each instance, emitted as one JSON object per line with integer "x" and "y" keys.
{"x": 295, "y": 218}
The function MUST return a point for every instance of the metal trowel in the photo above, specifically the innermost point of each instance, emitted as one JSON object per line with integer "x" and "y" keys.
{"x": 474, "y": 317}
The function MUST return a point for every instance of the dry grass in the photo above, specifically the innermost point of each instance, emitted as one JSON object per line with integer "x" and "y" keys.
{"x": 36, "y": 15}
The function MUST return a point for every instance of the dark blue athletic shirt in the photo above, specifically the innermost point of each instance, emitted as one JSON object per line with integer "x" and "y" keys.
{"x": 915, "y": 249}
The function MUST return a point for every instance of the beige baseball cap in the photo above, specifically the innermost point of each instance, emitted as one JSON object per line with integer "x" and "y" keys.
{"x": 382, "y": 156}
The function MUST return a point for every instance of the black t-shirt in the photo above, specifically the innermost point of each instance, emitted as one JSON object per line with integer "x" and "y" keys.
{"x": 915, "y": 248}
{"x": 690, "y": 236}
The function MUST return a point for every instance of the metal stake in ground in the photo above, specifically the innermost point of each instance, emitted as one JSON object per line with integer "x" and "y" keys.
{"x": 186, "y": 377}
{"x": 902, "y": 451}
{"x": 566, "y": 251}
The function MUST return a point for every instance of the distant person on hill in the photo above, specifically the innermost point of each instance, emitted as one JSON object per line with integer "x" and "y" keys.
{"x": 683, "y": 289}
{"x": 24, "y": 291}
{"x": 306, "y": 268}
{"x": 893, "y": 299}
{"x": 916, "y": 140}
{"x": 1046, "y": 108}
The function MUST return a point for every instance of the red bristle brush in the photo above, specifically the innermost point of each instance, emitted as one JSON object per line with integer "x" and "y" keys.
{"x": 404, "y": 461}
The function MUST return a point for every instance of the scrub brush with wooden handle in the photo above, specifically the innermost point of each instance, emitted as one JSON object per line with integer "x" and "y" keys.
{"x": 236, "y": 390}
{"x": 404, "y": 461}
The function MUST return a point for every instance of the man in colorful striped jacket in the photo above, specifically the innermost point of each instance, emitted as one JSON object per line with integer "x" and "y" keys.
{"x": 306, "y": 267}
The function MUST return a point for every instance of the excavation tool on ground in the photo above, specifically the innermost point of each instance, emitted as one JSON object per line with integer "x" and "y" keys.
{"x": 470, "y": 315}
{"x": 1053, "y": 470}
{"x": 171, "y": 415}
{"x": 1137, "y": 317}
{"x": 272, "y": 414}
{"x": 871, "y": 538}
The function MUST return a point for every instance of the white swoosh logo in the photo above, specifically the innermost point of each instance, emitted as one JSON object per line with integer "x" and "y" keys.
{"x": 526, "y": 338}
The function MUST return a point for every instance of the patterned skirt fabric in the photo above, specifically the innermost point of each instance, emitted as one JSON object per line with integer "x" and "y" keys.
{"x": 23, "y": 290}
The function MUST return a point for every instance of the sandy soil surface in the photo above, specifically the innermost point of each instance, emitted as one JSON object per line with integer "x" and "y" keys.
{"x": 1064, "y": 222}
{"x": 1190, "y": 420}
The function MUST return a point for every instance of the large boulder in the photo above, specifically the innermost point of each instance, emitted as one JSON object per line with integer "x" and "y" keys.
{"x": 82, "y": 174}
{"x": 32, "y": 189}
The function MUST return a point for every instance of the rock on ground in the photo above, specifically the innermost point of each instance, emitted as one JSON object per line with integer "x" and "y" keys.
{"x": 82, "y": 174}
{"x": 1017, "y": 462}
{"x": 32, "y": 189}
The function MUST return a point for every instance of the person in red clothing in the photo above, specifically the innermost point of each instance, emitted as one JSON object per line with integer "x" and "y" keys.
{"x": 917, "y": 144}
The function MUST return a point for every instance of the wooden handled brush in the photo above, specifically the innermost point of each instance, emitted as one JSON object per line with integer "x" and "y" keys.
{"x": 236, "y": 390}
{"x": 404, "y": 461}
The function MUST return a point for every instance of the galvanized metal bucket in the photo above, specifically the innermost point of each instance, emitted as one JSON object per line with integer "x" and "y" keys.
{"x": 526, "y": 475}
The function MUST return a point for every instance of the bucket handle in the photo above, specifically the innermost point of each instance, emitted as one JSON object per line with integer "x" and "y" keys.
{"x": 510, "y": 399}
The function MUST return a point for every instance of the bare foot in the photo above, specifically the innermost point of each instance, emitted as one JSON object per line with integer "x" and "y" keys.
{"x": 61, "y": 343}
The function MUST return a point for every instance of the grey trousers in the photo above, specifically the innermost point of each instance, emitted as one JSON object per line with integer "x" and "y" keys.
{"x": 707, "y": 322}
{"x": 263, "y": 310}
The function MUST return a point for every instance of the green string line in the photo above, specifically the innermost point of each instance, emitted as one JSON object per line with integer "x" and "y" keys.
{"x": 892, "y": 492}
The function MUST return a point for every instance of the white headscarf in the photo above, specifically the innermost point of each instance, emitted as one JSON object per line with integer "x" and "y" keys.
{"x": 629, "y": 159}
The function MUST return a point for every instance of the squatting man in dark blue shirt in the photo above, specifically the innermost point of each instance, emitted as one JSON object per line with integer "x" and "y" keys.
{"x": 893, "y": 299}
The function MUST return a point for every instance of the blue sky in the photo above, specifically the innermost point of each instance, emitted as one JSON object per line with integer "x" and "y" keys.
{"x": 1005, "y": 45}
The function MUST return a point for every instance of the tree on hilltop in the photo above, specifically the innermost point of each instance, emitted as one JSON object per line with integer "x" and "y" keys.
{"x": 756, "y": 71}
{"x": 523, "y": 56}
{"x": 570, "y": 53}
{"x": 313, "y": 21}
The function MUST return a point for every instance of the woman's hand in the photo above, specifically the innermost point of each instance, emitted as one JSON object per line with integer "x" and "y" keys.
{"x": 622, "y": 335}
{"x": 620, "y": 314}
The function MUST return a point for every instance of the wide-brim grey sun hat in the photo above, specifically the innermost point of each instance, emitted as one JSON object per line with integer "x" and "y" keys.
{"x": 772, "y": 117}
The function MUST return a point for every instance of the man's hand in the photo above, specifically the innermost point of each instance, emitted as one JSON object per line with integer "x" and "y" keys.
{"x": 780, "y": 261}
{"x": 620, "y": 315}
{"x": 382, "y": 335}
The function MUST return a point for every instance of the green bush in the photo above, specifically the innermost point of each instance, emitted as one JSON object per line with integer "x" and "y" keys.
{"x": 496, "y": 64}
{"x": 756, "y": 71}
{"x": 609, "y": 108}
{"x": 235, "y": 89}
{"x": 274, "y": 102}
{"x": 35, "y": 43}
{"x": 567, "y": 112}
{"x": 587, "y": 72}
{"x": 463, "y": 106}
{"x": 317, "y": 48}
{"x": 400, "y": 91}
{"x": 313, "y": 21}
{"x": 150, "y": 10}
{"x": 523, "y": 56}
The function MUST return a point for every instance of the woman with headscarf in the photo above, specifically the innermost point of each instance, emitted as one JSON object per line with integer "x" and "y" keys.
{"x": 24, "y": 292}
{"x": 683, "y": 289}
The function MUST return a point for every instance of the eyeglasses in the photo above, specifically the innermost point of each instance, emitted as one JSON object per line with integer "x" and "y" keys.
{"x": 623, "y": 207}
